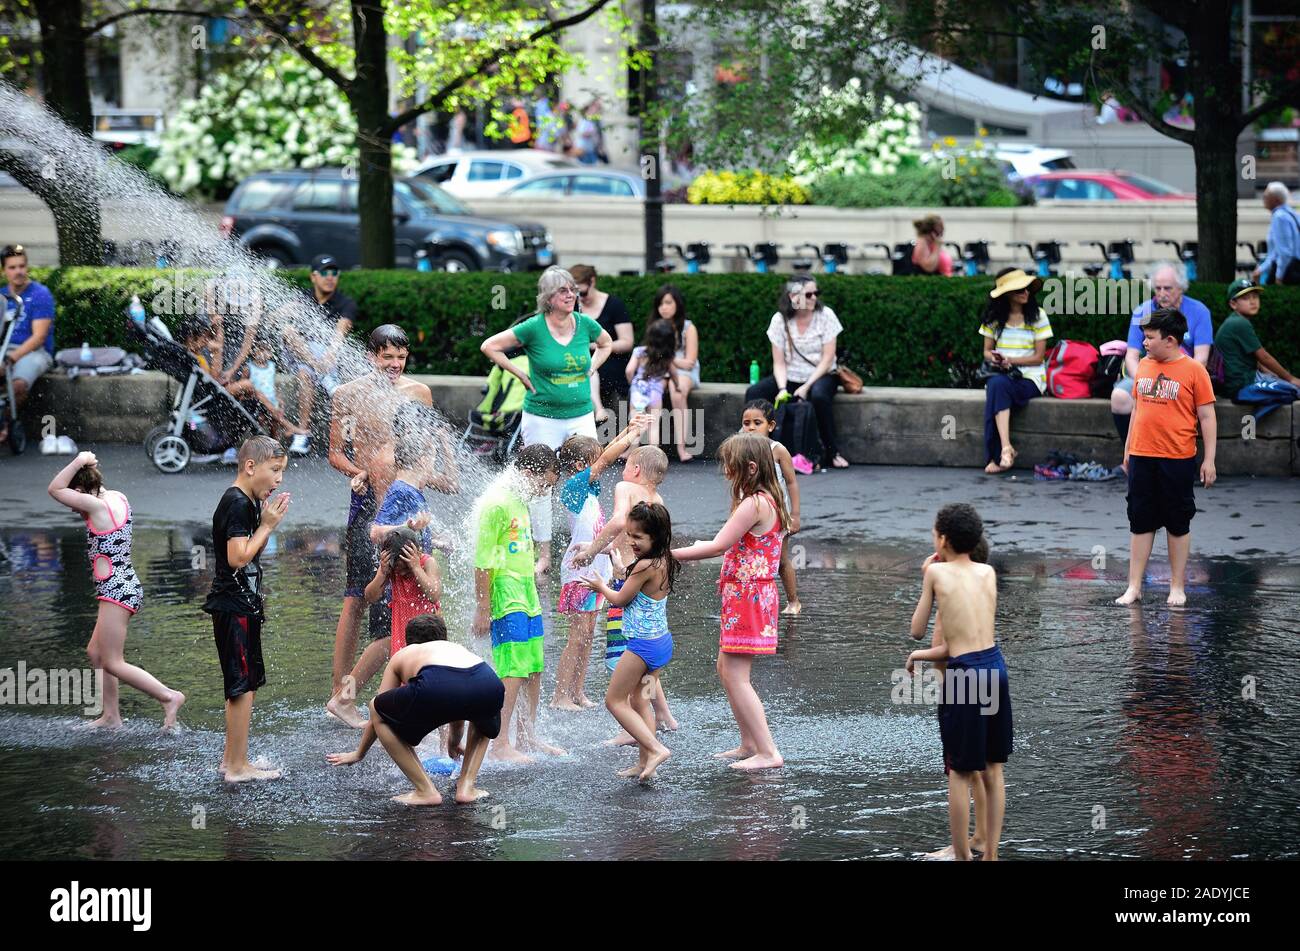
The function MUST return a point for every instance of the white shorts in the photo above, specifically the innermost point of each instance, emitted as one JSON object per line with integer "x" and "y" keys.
{"x": 553, "y": 433}
{"x": 30, "y": 366}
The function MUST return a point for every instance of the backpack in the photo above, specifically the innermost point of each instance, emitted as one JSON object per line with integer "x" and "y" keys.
{"x": 796, "y": 426}
{"x": 1216, "y": 368}
{"x": 1070, "y": 368}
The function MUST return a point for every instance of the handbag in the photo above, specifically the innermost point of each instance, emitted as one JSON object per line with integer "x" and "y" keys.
{"x": 851, "y": 382}
{"x": 988, "y": 369}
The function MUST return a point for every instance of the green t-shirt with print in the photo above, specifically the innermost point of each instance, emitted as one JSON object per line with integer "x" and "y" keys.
{"x": 505, "y": 548}
{"x": 560, "y": 374}
{"x": 1237, "y": 342}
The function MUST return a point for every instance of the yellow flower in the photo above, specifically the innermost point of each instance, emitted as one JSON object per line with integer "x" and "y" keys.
{"x": 961, "y": 160}
{"x": 949, "y": 141}
{"x": 983, "y": 131}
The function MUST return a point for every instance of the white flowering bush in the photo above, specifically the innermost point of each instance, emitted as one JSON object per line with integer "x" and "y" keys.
{"x": 877, "y": 149}
{"x": 259, "y": 115}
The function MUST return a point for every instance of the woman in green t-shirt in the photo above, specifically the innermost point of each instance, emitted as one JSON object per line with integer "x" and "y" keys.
{"x": 561, "y": 363}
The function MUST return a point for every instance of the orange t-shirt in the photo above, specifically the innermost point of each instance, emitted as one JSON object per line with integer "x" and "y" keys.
{"x": 1167, "y": 396}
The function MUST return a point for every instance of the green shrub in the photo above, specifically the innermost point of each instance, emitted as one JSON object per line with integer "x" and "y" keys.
{"x": 974, "y": 182}
{"x": 898, "y": 331}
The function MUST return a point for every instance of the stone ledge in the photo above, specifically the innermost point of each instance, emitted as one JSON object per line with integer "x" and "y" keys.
{"x": 880, "y": 425}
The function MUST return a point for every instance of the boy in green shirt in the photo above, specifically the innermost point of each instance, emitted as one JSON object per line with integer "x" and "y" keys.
{"x": 1250, "y": 373}
{"x": 506, "y": 592}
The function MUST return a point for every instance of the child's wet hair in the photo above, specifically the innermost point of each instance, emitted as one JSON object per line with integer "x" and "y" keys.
{"x": 395, "y": 543}
{"x": 193, "y": 328}
{"x": 388, "y": 335}
{"x": 653, "y": 463}
{"x": 961, "y": 526}
{"x": 980, "y": 553}
{"x": 87, "y": 479}
{"x": 736, "y": 454}
{"x": 424, "y": 628}
{"x": 658, "y": 525}
{"x": 537, "y": 459}
{"x": 762, "y": 406}
{"x": 260, "y": 449}
{"x": 577, "y": 453}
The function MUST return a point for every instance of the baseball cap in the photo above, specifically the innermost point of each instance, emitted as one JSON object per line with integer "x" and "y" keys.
{"x": 1242, "y": 286}
{"x": 322, "y": 261}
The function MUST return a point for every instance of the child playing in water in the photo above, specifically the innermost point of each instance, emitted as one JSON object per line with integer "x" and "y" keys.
{"x": 760, "y": 417}
{"x": 643, "y": 596}
{"x": 505, "y": 591}
{"x": 80, "y": 486}
{"x": 937, "y": 655}
{"x": 241, "y": 526}
{"x": 430, "y": 683}
{"x": 581, "y": 463}
{"x": 975, "y": 718}
{"x": 751, "y": 540}
{"x": 644, "y": 470}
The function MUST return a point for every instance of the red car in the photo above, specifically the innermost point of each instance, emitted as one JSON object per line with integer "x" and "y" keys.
{"x": 1079, "y": 185}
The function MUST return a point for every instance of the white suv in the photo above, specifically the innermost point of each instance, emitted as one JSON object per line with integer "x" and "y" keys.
{"x": 482, "y": 174}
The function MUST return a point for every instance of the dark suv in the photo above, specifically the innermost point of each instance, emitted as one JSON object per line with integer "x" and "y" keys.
{"x": 289, "y": 217}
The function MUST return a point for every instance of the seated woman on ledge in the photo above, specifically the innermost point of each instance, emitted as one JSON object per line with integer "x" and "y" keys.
{"x": 803, "y": 333}
{"x": 1015, "y": 335}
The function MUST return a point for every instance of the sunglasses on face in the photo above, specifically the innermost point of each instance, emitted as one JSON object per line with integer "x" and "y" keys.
{"x": 329, "y": 272}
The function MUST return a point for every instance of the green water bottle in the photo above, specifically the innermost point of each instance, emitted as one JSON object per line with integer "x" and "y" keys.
{"x": 753, "y": 372}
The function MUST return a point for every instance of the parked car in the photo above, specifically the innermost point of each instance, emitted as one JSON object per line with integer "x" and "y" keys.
{"x": 581, "y": 184}
{"x": 1104, "y": 185}
{"x": 289, "y": 217}
{"x": 1026, "y": 160}
{"x": 484, "y": 173}
{"x": 119, "y": 128}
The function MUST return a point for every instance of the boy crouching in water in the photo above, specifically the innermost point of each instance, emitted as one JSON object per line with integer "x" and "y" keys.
{"x": 975, "y": 719}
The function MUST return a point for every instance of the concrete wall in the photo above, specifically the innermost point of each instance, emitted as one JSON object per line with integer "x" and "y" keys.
{"x": 880, "y": 426}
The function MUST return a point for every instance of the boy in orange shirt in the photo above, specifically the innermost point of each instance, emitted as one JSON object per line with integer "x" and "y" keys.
{"x": 1171, "y": 394}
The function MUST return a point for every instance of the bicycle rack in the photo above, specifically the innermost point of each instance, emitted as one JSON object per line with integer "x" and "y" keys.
{"x": 975, "y": 258}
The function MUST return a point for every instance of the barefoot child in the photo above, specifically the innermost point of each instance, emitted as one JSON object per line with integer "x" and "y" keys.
{"x": 751, "y": 540}
{"x": 644, "y": 470}
{"x": 581, "y": 463}
{"x": 760, "y": 417}
{"x": 506, "y": 603}
{"x": 80, "y": 486}
{"x": 975, "y": 718}
{"x": 241, "y": 526}
{"x": 644, "y": 599}
{"x": 938, "y": 657}
{"x": 1171, "y": 392}
{"x": 429, "y": 683}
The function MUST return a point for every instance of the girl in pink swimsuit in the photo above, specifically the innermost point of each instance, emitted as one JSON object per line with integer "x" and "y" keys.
{"x": 751, "y": 541}
{"x": 80, "y": 486}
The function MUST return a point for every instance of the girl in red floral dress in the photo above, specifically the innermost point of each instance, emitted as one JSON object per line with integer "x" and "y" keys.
{"x": 751, "y": 540}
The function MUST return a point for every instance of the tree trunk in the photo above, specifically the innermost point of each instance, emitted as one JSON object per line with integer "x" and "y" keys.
{"x": 368, "y": 95}
{"x": 74, "y": 205}
{"x": 1215, "y": 81}
{"x": 649, "y": 134}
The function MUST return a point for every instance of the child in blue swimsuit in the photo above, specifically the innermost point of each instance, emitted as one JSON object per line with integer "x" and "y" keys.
{"x": 644, "y": 600}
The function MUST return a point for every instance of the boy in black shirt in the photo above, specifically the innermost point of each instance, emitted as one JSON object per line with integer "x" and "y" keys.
{"x": 240, "y": 529}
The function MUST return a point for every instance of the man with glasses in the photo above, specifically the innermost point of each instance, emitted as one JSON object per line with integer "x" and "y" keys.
{"x": 313, "y": 347}
{"x": 31, "y": 348}
{"x": 1168, "y": 287}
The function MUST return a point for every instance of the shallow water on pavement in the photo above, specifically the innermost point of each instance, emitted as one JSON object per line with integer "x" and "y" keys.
{"x": 1133, "y": 737}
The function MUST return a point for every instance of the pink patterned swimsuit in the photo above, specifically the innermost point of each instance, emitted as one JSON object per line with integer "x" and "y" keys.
{"x": 110, "y": 565}
{"x": 750, "y": 606}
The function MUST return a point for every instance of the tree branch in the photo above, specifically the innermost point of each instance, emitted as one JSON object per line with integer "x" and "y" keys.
{"x": 433, "y": 101}
{"x": 1282, "y": 96}
{"x": 278, "y": 31}
{"x": 141, "y": 11}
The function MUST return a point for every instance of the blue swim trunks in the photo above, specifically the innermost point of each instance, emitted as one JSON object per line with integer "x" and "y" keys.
{"x": 975, "y": 718}
{"x": 655, "y": 651}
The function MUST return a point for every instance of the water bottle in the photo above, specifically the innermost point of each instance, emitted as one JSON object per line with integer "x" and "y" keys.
{"x": 86, "y": 355}
{"x": 753, "y": 372}
{"x": 136, "y": 310}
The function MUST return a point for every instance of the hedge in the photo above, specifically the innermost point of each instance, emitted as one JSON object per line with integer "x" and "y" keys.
{"x": 898, "y": 331}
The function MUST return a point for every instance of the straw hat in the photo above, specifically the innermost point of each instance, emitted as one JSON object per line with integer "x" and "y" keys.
{"x": 1016, "y": 280}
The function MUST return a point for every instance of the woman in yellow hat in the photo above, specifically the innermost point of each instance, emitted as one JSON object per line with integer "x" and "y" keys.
{"x": 1015, "y": 335}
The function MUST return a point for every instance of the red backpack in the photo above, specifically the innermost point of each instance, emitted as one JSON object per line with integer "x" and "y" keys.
{"x": 1070, "y": 367}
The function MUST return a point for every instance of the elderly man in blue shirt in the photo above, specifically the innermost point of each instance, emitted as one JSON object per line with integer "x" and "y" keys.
{"x": 1282, "y": 264}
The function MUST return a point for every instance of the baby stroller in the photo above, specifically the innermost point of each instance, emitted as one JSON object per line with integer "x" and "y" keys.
{"x": 205, "y": 419}
{"x": 11, "y": 314}
{"x": 493, "y": 428}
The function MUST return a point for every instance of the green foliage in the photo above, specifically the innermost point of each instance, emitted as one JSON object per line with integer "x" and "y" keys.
{"x": 750, "y": 187}
{"x": 978, "y": 183}
{"x": 898, "y": 331}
